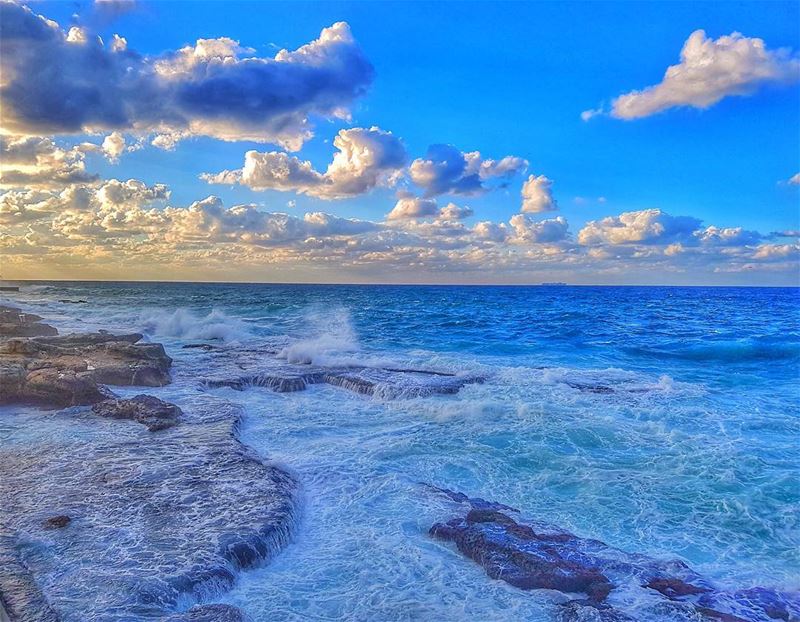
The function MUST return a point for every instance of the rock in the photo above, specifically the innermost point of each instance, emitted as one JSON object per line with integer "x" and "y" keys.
{"x": 516, "y": 554}
{"x": 150, "y": 411}
{"x": 386, "y": 383}
{"x": 57, "y": 387}
{"x": 209, "y": 613}
{"x": 15, "y": 323}
{"x": 161, "y": 523}
{"x": 674, "y": 588}
{"x": 57, "y": 522}
{"x": 532, "y": 555}
{"x": 67, "y": 370}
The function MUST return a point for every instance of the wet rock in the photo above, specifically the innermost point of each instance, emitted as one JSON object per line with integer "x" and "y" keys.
{"x": 161, "y": 523}
{"x": 150, "y": 411}
{"x": 57, "y": 522}
{"x": 384, "y": 383}
{"x": 20, "y": 598}
{"x": 516, "y": 554}
{"x": 15, "y": 323}
{"x": 68, "y": 370}
{"x": 531, "y": 555}
{"x": 674, "y": 588}
{"x": 209, "y": 613}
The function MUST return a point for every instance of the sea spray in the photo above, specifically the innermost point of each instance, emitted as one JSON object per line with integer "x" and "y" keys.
{"x": 185, "y": 324}
{"x": 332, "y": 340}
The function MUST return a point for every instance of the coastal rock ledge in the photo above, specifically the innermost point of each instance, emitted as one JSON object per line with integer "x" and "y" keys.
{"x": 156, "y": 524}
{"x": 68, "y": 370}
{"x": 597, "y": 581}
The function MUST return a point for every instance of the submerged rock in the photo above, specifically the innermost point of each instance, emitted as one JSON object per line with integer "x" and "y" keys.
{"x": 57, "y": 522}
{"x": 385, "y": 383}
{"x": 150, "y": 411}
{"x": 15, "y": 323}
{"x": 67, "y": 370}
{"x": 160, "y": 522}
{"x": 533, "y": 555}
{"x": 516, "y": 554}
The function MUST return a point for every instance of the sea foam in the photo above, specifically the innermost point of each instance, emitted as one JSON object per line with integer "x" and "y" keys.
{"x": 184, "y": 324}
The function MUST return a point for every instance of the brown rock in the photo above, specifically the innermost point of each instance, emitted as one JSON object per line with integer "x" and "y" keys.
{"x": 57, "y": 522}
{"x": 67, "y": 370}
{"x": 150, "y": 411}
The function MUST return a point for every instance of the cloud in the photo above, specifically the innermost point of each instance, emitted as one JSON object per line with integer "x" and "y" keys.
{"x": 57, "y": 82}
{"x": 537, "y": 196}
{"x": 539, "y": 232}
{"x": 413, "y": 207}
{"x": 113, "y": 146}
{"x": 729, "y": 236}
{"x": 651, "y": 226}
{"x": 446, "y": 170}
{"x": 451, "y": 212}
{"x": 365, "y": 158}
{"x": 34, "y": 162}
{"x": 710, "y": 70}
{"x": 794, "y": 180}
{"x": 118, "y": 225}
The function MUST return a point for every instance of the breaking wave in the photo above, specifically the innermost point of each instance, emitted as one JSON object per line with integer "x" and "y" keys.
{"x": 332, "y": 340}
{"x": 184, "y": 324}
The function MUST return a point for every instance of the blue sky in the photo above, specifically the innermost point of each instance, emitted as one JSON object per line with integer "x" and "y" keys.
{"x": 503, "y": 79}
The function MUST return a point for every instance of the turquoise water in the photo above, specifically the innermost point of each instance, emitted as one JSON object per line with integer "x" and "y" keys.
{"x": 662, "y": 421}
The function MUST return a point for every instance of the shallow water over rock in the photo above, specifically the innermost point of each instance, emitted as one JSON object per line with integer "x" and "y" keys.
{"x": 157, "y": 520}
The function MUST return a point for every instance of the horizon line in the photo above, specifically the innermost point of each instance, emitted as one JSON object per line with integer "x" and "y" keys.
{"x": 545, "y": 284}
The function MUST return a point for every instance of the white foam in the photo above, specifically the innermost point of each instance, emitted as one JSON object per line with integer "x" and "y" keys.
{"x": 184, "y": 324}
{"x": 332, "y": 340}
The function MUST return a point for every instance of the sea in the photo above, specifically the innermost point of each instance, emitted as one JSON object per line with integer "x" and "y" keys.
{"x": 663, "y": 421}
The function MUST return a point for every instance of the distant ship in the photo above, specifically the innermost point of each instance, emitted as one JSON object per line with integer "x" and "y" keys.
{"x": 553, "y": 284}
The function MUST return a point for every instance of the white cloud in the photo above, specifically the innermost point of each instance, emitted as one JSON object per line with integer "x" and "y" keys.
{"x": 365, "y": 158}
{"x": 34, "y": 162}
{"x": 213, "y": 88}
{"x": 644, "y": 227}
{"x": 537, "y": 195}
{"x": 794, "y": 180}
{"x": 113, "y": 146}
{"x": 445, "y": 169}
{"x": 539, "y": 232}
{"x": 451, "y": 211}
{"x": 728, "y": 236}
{"x": 413, "y": 207}
{"x": 710, "y": 70}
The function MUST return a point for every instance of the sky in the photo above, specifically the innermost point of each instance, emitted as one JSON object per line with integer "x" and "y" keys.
{"x": 401, "y": 142}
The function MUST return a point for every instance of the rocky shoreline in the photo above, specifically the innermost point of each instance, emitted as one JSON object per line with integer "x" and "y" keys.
{"x": 184, "y": 503}
{"x": 592, "y": 577}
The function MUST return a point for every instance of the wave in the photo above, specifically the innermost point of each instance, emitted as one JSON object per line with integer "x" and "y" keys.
{"x": 733, "y": 350}
{"x": 333, "y": 340}
{"x": 184, "y": 324}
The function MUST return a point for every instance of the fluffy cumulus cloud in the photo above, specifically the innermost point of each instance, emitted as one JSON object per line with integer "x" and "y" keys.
{"x": 541, "y": 232}
{"x": 365, "y": 158}
{"x": 127, "y": 223}
{"x": 651, "y": 226}
{"x": 59, "y": 82}
{"x": 537, "y": 195}
{"x": 413, "y": 207}
{"x": 446, "y": 170}
{"x": 36, "y": 162}
{"x": 709, "y": 70}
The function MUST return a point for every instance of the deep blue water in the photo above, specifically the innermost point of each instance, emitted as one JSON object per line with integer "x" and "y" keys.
{"x": 690, "y": 451}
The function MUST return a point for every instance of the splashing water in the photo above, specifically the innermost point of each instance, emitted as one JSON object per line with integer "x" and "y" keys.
{"x": 661, "y": 421}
